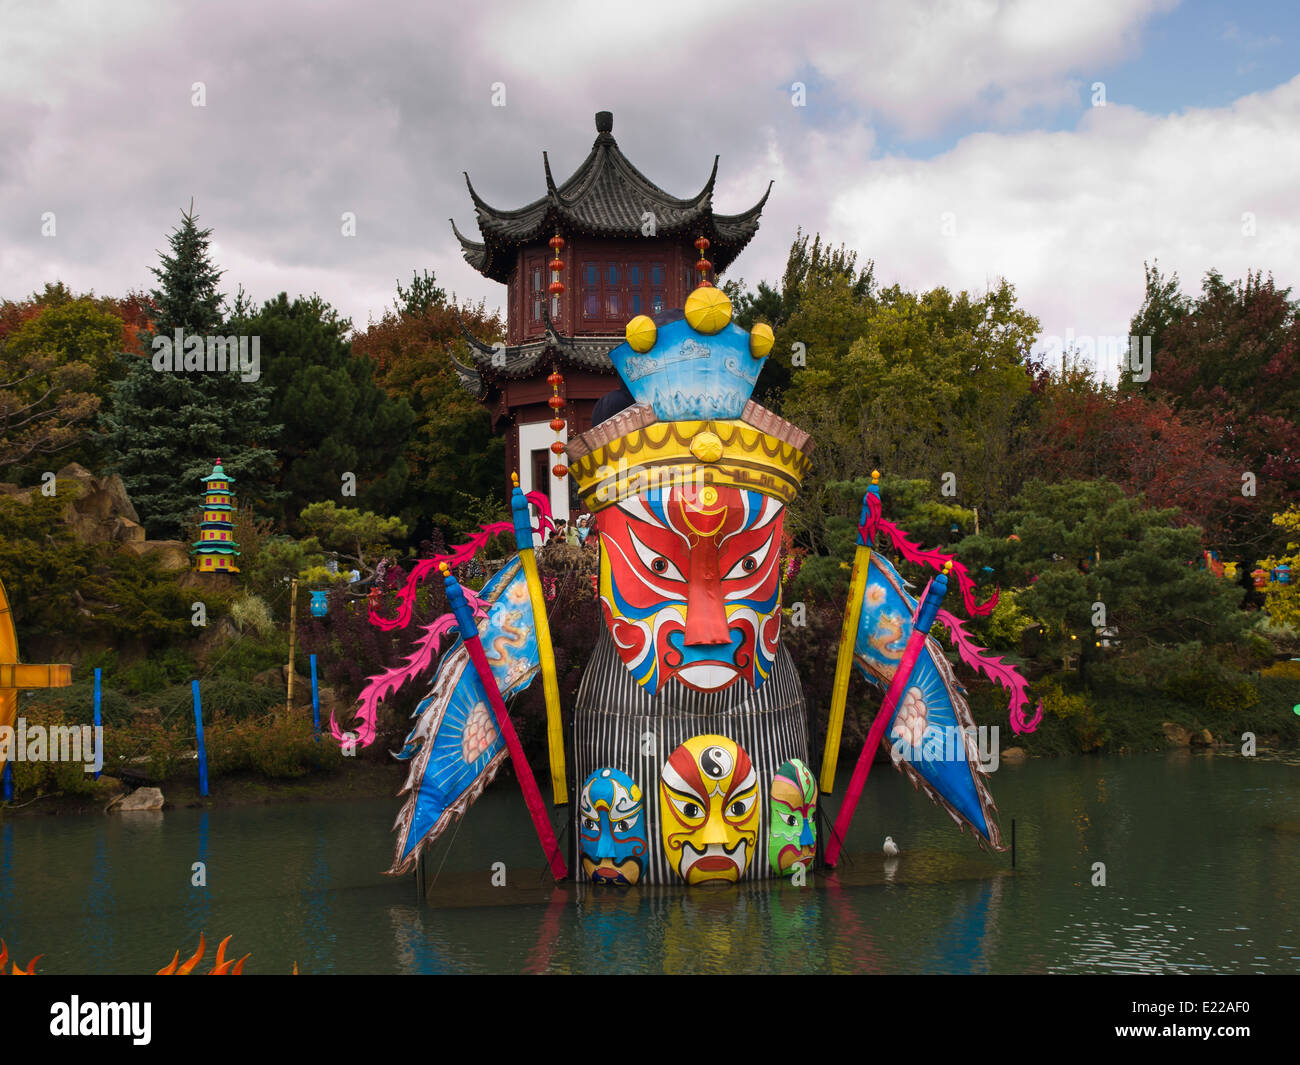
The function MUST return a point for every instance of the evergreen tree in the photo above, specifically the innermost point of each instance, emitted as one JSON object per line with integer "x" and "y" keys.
{"x": 188, "y": 297}
{"x": 336, "y": 419}
{"x": 167, "y": 427}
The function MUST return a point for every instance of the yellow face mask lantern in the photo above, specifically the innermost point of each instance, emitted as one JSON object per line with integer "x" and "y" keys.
{"x": 709, "y": 810}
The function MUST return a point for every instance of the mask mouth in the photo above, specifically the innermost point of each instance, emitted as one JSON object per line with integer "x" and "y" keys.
{"x": 606, "y": 871}
{"x": 715, "y": 861}
{"x": 708, "y": 676}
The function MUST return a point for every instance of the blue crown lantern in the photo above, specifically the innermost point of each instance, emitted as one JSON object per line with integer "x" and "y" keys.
{"x": 687, "y": 374}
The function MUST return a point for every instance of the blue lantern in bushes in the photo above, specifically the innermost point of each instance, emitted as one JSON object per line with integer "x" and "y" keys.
{"x": 320, "y": 606}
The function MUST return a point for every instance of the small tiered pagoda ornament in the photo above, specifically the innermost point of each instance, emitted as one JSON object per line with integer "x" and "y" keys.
{"x": 216, "y": 547}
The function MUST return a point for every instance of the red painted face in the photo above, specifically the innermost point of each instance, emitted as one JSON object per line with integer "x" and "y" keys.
{"x": 689, "y": 585}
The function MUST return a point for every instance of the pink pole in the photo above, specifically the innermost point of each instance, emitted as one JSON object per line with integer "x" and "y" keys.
{"x": 532, "y": 795}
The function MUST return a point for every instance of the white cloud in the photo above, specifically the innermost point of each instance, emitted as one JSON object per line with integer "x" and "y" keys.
{"x": 1070, "y": 217}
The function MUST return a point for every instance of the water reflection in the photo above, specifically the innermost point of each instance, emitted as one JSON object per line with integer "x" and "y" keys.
{"x": 1200, "y": 859}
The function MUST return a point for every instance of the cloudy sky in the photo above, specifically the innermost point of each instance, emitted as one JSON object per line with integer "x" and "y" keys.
{"x": 952, "y": 142}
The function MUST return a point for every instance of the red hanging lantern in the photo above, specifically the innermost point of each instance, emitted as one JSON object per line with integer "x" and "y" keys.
{"x": 555, "y": 379}
{"x": 556, "y": 266}
{"x": 703, "y": 265}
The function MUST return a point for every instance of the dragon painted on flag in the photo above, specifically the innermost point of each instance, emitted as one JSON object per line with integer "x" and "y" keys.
{"x": 689, "y": 735}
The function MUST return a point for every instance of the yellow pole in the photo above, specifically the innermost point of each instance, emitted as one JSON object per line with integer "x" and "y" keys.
{"x": 293, "y": 632}
{"x": 14, "y": 677}
{"x": 542, "y": 628}
{"x": 844, "y": 657}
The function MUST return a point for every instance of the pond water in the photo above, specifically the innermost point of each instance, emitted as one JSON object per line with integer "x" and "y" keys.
{"x": 1201, "y": 856}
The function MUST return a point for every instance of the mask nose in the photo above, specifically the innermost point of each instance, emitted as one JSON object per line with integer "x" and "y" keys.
{"x": 714, "y": 831}
{"x": 706, "y": 617}
{"x": 605, "y": 845}
{"x": 806, "y": 838}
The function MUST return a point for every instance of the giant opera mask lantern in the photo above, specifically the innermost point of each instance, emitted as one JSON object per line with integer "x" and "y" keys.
{"x": 689, "y": 487}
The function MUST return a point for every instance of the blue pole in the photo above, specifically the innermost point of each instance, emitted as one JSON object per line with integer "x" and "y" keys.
{"x": 9, "y": 781}
{"x": 98, "y": 734}
{"x": 315, "y": 697}
{"x": 198, "y": 736}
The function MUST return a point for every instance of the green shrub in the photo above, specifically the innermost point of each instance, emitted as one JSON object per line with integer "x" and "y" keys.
{"x": 279, "y": 746}
{"x": 250, "y": 613}
{"x": 218, "y": 695}
{"x": 76, "y": 704}
{"x": 49, "y": 776}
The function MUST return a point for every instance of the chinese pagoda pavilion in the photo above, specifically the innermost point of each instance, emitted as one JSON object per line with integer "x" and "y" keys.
{"x": 625, "y": 247}
{"x": 216, "y": 545}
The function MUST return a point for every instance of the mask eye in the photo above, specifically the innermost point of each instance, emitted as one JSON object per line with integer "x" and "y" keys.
{"x": 747, "y": 565}
{"x": 655, "y": 562}
{"x": 688, "y": 808}
{"x": 790, "y": 819}
{"x": 590, "y": 825}
{"x": 742, "y": 806}
{"x": 623, "y": 826}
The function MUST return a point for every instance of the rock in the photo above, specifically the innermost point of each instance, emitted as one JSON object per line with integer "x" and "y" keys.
{"x": 275, "y": 677}
{"x": 142, "y": 799}
{"x": 1204, "y": 738}
{"x": 107, "y": 494}
{"x": 127, "y": 531}
{"x": 1176, "y": 734}
{"x": 1014, "y": 755}
{"x": 172, "y": 554}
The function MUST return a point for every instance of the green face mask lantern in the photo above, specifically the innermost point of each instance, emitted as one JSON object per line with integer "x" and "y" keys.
{"x": 792, "y": 832}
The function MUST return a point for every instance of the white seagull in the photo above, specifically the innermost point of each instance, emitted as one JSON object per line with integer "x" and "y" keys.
{"x": 890, "y": 848}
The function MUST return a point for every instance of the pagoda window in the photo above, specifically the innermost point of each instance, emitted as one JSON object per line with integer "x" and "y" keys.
{"x": 658, "y": 282}
{"x": 613, "y": 292}
{"x": 536, "y": 289}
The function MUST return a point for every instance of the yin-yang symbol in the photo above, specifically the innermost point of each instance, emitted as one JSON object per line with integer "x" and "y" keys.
{"x": 716, "y": 762}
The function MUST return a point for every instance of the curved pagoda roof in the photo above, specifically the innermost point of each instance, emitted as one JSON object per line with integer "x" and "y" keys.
{"x": 519, "y": 361}
{"x": 606, "y": 197}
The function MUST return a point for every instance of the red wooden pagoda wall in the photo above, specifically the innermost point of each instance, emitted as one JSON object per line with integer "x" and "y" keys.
{"x": 626, "y": 283}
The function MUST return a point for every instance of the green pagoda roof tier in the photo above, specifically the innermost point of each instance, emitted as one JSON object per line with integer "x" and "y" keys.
{"x": 606, "y": 196}
{"x": 218, "y": 474}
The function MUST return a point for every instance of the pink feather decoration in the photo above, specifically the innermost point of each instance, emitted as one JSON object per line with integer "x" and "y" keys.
{"x": 420, "y": 661}
{"x": 996, "y": 670}
{"x": 935, "y": 559}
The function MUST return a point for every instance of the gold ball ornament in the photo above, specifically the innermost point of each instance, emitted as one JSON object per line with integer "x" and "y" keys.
{"x": 706, "y": 446}
{"x": 761, "y": 340}
{"x": 642, "y": 333}
{"x": 708, "y": 310}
